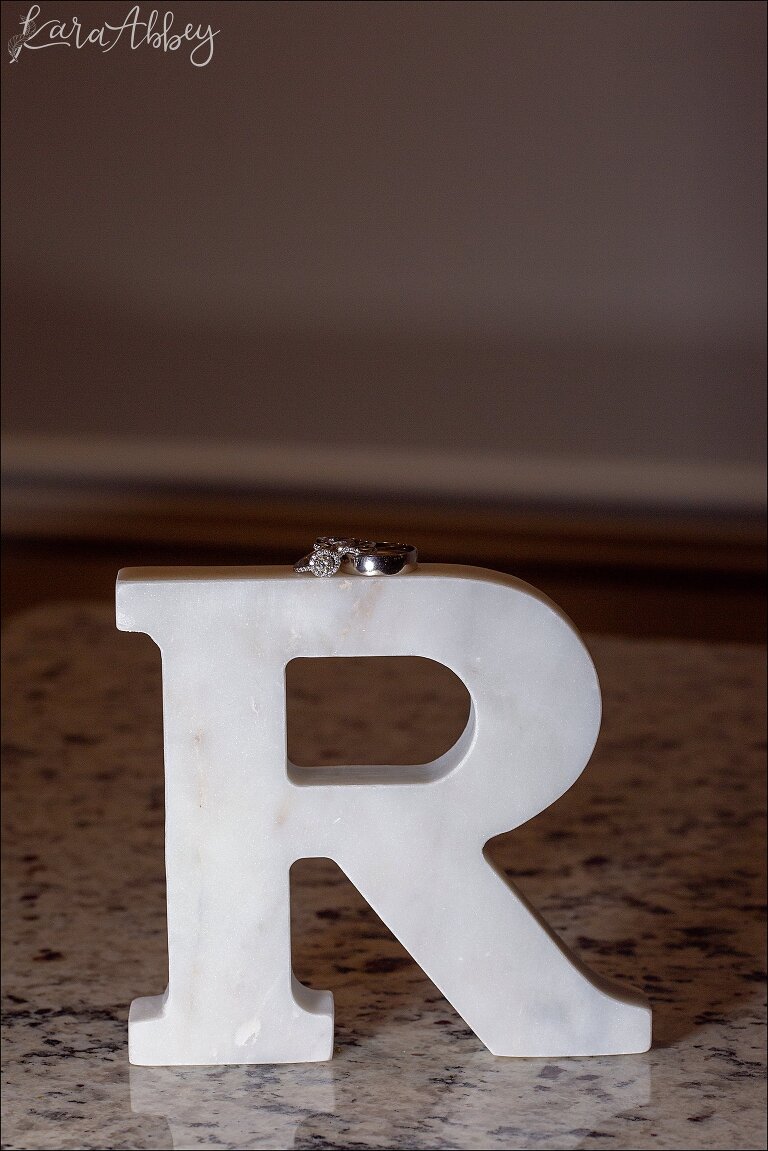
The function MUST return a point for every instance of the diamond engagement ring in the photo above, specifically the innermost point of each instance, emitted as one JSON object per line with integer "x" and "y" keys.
{"x": 362, "y": 557}
{"x": 326, "y": 556}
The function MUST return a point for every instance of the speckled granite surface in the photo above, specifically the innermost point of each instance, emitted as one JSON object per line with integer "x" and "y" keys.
{"x": 650, "y": 867}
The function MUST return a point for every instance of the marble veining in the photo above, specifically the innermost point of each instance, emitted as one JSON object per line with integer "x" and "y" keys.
{"x": 650, "y": 868}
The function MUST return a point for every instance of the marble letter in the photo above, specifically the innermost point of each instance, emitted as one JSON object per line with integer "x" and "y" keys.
{"x": 410, "y": 838}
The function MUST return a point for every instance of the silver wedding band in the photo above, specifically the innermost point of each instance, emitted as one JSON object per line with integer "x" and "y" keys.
{"x": 356, "y": 556}
{"x": 384, "y": 559}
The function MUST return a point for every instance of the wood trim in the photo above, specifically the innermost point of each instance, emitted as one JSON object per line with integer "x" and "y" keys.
{"x": 283, "y": 526}
{"x": 375, "y": 473}
{"x": 493, "y": 510}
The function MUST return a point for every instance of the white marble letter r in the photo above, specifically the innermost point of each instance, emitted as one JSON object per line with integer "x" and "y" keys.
{"x": 410, "y": 839}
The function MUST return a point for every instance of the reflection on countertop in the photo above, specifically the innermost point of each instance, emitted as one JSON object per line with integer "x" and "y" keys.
{"x": 649, "y": 868}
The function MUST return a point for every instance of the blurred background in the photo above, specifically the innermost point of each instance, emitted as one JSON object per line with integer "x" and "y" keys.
{"x": 485, "y": 276}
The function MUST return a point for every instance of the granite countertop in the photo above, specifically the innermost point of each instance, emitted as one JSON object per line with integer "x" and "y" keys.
{"x": 650, "y": 868}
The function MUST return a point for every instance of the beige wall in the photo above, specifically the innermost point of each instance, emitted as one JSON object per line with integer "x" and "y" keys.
{"x": 493, "y": 229}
